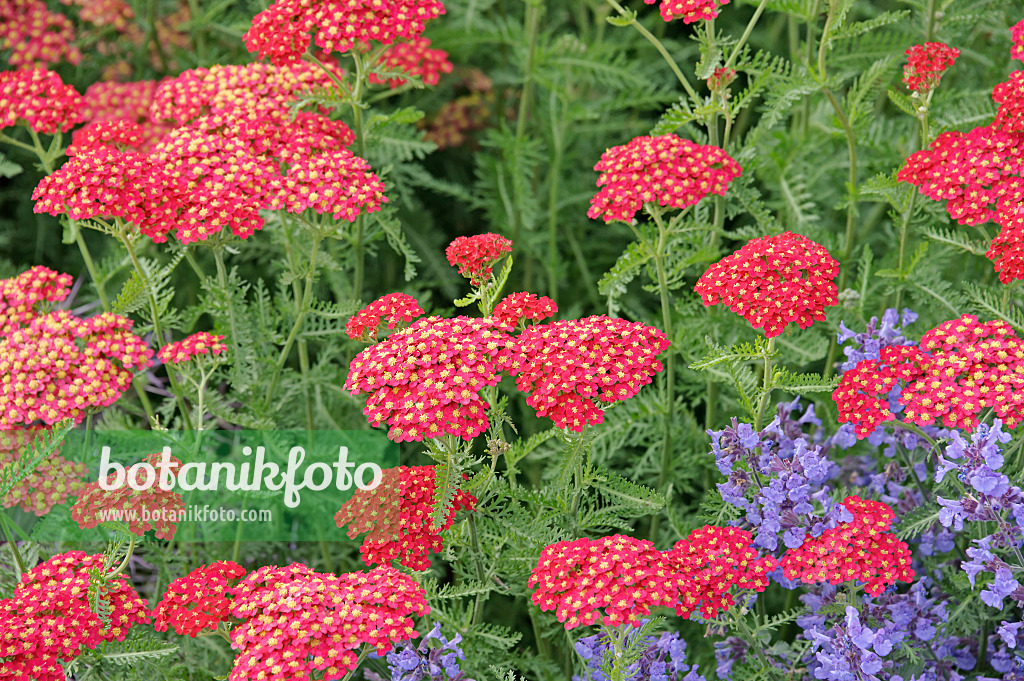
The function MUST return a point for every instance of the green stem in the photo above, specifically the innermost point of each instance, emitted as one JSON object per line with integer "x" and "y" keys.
{"x": 20, "y": 145}
{"x": 19, "y": 563}
{"x": 618, "y": 640}
{"x": 557, "y": 130}
{"x": 766, "y": 387}
{"x": 303, "y": 346}
{"x": 746, "y": 33}
{"x": 661, "y": 49}
{"x": 127, "y": 557}
{"x": 478, "y": 607}
{"x": 358, "y": 247}
{"x": 904, "y": 223}
{"x": 660, "y": 252}
{"x": 929, "y": 31}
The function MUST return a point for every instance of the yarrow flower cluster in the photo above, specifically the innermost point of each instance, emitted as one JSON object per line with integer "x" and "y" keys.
{"x": 50, "y": 483}
{"x": 281, "y": 32}
{"x": 398, "y": 515}
{"x": 425, "y": 380}
{"x": 523, "y": 307}
{"x": 960, "y": 368}
{"x": 41, "y": 99}
{"x": 925, "y": 65}
{"x": 663, "y": 658}
{"x": 569, "y": 369}
{"x": 1017, "y": 38}
{"x": 200, "y": 343}
{"x": 20, "y": 296}
{"x": 475, "y": 255}
{"x": 712, "y": 560}
{"x": 435, "y": 659}
{"x": 295, "y": 620}
{"x": 152, "y": 508}
{"x": 690, "y": 10}
{"x": 862, "y": 550}
{"x": 35, "y": 36}
{"x": 50, "y": 617}
{"x": 774, "y": 281}
{"x": 199, "y": 601}
{"x": 613, "y": 580}
{"x": 416, "y": 58}
{"x": 60, "y": 366}
{"x": 666, "y": 170}
{"x": 395, "y": 308}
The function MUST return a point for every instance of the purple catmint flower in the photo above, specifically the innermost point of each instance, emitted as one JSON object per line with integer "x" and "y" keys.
{"x": 435, "y": 658}
{"x": 663, "y": 658}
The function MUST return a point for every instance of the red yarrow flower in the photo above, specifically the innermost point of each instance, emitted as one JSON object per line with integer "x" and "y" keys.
{"x": 666, "y": 170}
{"x": 713, "y": 560}
{"x": 523, "y": 307}
{"x": 20, "y": 296}
{"x": 151, "y": 508}
{"x": 416, "y": 58}
{"x": 50, "y": 483}
{"x": 61, "y": 367}
{"x": 1017, "y": 38}
{"x": 862, "y": 550}
{"x": 925, "y": 65}
{"x": 690, "y": 10}
{"x": 281, "y": 32}
{"x": 295, "y": 620}
{"x": 335, "y": 182}
{"x": 960, "y": 368}
{"x": 613, "y": 580}
{"x": 34, "y": 36}
{"x": 41, "y": 99}
{"x": 1009, "y": 96}
{"x": 398, "y": 515}
{"x": 201, "y": 343}
{"x": 475, "y": 255}
{"x": 50, "y": 617}
{"x": 395, "y": 308}
{"x": 425, "y": 380}
{"x": 774, "y": 281}
{"x": 199, "y": 601}
{"x": 569, "y": 369}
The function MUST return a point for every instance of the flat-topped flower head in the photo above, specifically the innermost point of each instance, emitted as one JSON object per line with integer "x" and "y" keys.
{"x": 613, "y": 581}
{"x": 50, "y": 616}
{"x": 50, "y": 483}
{"x": 296, "y": 621}
{"x": 925, "y": 65}
{"x": 395, "y": 308}
{"x": 1017, "y": 38}
{"x": 1009, "y": 95}
{"x": 397, "y": 516}
{"x": 475, "y": 255}
{"x": 774, "y": 281}
{"x": 712, "y": 561}
{"x": 21, "y": 295}
{"x": 416, "y": 58}
{"x": 39, "y": 98}
{"x": 151, "y": 508}
{"x": 862, "y": 550}
{"x": 424, "y": 381}
{"x": 281, "y": 32}
{"x": 201, "y": 343}
{"x": 33, "y": 36}
{"x": 337, "y": 183}
{"x": 199, "y": 601}
{"x": 570, "y": 369}
{"x": 523, "y": 307}
{"x": 689, "y": 10}
{"x": 60, "y": 367}
{"x": 667, "y": 170}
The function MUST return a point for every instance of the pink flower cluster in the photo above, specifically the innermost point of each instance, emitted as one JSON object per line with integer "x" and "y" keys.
{"x": 397, "y": 515}
{"x": 666, "y": 170}
{"x": 395, "y": 308}
{"x": 40, "y": 98}
{"x": 926, "y": 64}
{"x": 50, "y": 483}
{"x": 50, "y": 616}
{"x": 425, "y": 380}
{"x": 20, "y": 296}
{"x": 568, "y": 369}
{"x": 35, "y": 36}
{"x": 152, "y": 508}
{"x": 475, "y": 255}
{"x": 1017, "y": 38}
{"x": 690, "y": 10}
{"x": 295, "y": 620}
{"x": 773, "y": 281}
{"x": 199, "y": 601}
{"x": 416, "y": 58}
{"x": 281, "y": 32}
{"x": 201, "y": 343}
{"x": 113, "y": 101}
{"x": 523, "y": 307}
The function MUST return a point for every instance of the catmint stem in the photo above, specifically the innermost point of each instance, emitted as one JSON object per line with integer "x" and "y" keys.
{"x": 661, "y": 49}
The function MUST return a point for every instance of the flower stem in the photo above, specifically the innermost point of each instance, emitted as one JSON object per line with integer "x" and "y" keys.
{"x": 19, "y": 563}
{"x": 746, "y": 33}
{"x": 766, "y": 387}
{"x": 478, "y": 607}
{"x": 660, "y": 251}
